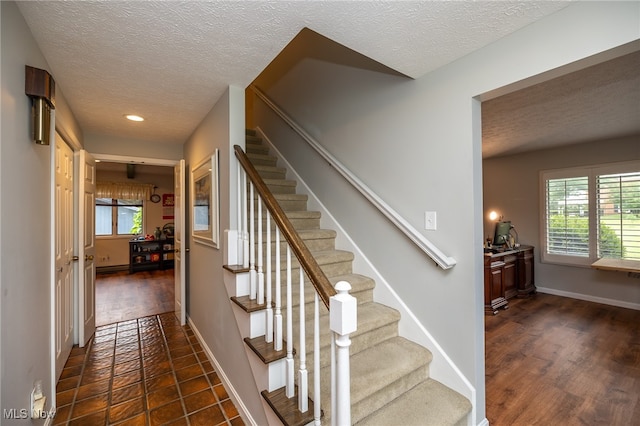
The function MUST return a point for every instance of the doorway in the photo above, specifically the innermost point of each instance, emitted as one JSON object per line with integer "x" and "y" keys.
{"x": 120, "y": 294}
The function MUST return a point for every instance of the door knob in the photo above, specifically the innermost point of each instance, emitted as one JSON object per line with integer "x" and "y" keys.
{"x": 75, "y": 258}
{"x": 88, "y": 257}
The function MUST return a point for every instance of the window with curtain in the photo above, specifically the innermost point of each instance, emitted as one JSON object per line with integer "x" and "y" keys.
{"x": 591, "y": 213}
{"x": 119, "y": 207}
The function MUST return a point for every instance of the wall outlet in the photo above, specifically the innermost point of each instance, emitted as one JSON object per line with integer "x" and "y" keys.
{"x": 38, "y": 401}
{"x": 430, "y": 222}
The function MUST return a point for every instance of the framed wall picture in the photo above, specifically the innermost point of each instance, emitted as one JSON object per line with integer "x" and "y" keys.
{"x": 205, "y": 216}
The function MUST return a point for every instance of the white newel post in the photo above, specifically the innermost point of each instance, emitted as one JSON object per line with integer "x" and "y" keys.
{"x": 343, "y": 320}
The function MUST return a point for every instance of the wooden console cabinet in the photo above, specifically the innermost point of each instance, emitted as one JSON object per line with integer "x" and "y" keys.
{"x": 507, "y": 274}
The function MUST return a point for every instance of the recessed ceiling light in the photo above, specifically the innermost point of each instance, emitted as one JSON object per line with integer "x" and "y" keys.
{"x": 133, "y": 117}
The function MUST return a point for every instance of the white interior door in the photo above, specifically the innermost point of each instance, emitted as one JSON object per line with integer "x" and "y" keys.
{"x": 179, "y": 243}
{"x": 87, "y": 247}
{"x": 63, "y": 253}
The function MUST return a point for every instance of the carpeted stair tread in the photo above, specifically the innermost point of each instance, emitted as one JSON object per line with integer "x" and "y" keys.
{"x": 361, "y": 288}
{"x": 390, "y": 382}
{"x": 270, "y": 172}
{"x": 315, "y": 239}
{"x": 264, "y": 159}
{"x": 278, "y": 186}
{"x": 332, "y": 262}
{"x": 381, "y": 374}
{"x": 428, "y": 404}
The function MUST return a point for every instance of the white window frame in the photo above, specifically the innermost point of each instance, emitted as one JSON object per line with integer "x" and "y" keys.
{"x": 114, "y": 224}
{"x": 591, "y": 172}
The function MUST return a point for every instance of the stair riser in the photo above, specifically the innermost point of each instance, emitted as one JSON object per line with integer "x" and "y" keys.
{"x": 253, "y": 148}
{"x": 262, "y": 160}
{"x": 364, "y": 296}
{"x": 287, "y": 205}
{"x": 359, "y": 342}
{"x": 281, "y": 189}
{"x": 313, "y": 244}
{"x": 272, "y": 174}
{"x": 330, "y": 270}
{"x": 278, "y": 186}
{"x": 298, "y": 223}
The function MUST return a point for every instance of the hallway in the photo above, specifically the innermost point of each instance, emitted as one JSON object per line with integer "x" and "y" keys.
{"x": 143, "y": 371}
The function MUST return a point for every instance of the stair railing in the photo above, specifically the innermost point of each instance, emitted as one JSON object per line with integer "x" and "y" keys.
{"x": 441, "y": 259}
{"x": 342, "y": 306}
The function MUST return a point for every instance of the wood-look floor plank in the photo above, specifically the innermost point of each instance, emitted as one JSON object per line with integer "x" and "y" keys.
{"x": 558, "y": 361}
{"x": 121, "y": 296}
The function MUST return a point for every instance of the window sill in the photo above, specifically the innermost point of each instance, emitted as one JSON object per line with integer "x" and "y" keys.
{"x": 620, "y": 265}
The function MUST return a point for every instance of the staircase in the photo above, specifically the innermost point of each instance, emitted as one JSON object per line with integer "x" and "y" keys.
{"x": 390, "y": 381}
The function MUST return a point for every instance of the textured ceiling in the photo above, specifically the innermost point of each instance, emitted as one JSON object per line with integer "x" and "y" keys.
{"x": 170, "y": 61}
{"x": 596, "y": 103}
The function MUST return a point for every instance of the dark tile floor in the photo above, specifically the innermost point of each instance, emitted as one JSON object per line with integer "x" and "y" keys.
{"x": 147, "y": 371}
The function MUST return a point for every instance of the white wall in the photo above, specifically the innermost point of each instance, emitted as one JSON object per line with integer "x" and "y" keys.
{"x": 208, "y": 303}
{"x": 114, "y": 145}
{"x": 417, "y": 145}
{"x": 25, "y": 212}
{"x": 519, "y": 200}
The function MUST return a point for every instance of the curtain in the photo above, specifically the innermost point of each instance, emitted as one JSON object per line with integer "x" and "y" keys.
{"x": 124, "y": 190}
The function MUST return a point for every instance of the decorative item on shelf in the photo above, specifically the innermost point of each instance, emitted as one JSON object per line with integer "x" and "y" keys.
{"x": 157, "y": 233}
{"x": 155, "y": 257}
{"x": 168, "y": 229}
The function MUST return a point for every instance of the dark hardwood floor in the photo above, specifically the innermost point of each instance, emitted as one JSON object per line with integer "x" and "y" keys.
{"x": 121, "y": 296}
{"x": 552, "y": 360}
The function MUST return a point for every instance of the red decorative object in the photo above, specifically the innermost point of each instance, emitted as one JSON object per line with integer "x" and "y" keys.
{"x": 168, "y": 202}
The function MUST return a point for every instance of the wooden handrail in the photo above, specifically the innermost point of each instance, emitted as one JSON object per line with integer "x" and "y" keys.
{"x": 319, "y": 280}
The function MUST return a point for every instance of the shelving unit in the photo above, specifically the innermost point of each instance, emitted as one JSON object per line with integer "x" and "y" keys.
{"x": 147, "y": 255}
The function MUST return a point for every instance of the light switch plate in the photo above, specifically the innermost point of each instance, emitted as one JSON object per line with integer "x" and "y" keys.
{"x": 430, "y": 222}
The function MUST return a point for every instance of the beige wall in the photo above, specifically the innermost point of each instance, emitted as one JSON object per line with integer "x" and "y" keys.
{"x": 26, "y": 232}
{"x": 511, "y": 186}
{"x": 208, "y": 305}
{"x": 114, "y": 251}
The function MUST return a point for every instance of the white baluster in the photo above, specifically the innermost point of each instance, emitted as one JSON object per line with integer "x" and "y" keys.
{"x": 303, "y": 385}
{"x": 245, "y": 234}
{"x": 317, "y": 412}
{"x": 333, "y": 379}
{"x": 289, "y": 361}
{"x": 278, "y": 317}
{"x": 269, "y": 311}
{"x": 239, "y": 210}
{"x": 342, "y": 321}
{"x": 260, "y": 270}
{"x": 253, "y": 275}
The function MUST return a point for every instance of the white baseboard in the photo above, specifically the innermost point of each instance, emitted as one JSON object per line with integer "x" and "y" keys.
{"x": 588, "y": 298}
{"x": 233, "y": 395}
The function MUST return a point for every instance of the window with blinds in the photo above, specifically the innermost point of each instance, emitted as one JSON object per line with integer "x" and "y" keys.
{"x": 618, "y": 200}
{"x": 567, "y": 216}
{"x": 591, "y": 213}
